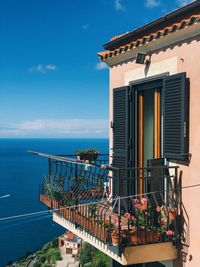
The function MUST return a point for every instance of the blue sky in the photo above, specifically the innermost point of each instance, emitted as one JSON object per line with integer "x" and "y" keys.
{"x": 51, "y": 82}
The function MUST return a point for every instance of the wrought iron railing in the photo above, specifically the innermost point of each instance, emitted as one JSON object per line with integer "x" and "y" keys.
{"x": 73, "y": 182}
{"x": 81, "y": 193}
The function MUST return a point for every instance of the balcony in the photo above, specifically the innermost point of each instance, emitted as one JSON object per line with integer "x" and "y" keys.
{"x": 129, "y": 229}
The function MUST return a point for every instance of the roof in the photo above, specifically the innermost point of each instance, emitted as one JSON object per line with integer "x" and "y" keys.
{"x": 174, "y": 21}
{"x": 70, "y": 236}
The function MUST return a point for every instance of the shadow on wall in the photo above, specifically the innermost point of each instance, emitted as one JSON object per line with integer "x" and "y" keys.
{"x": 184, "y": 228}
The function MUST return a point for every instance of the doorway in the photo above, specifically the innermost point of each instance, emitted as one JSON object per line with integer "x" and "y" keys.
{"x": 148, "y": 128}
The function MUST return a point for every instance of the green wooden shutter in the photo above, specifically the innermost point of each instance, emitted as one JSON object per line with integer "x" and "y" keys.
{"x": 121, "y": 113}
{"x": 175, "y": 121}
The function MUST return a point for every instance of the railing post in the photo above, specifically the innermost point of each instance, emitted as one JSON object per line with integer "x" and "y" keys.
{"x": 177, "y": 194}
{"x": 110, "y": 237}
{"x": 50, "y": 168}
{"x": 119, "y": 187}
{"x": 119, "y": 225}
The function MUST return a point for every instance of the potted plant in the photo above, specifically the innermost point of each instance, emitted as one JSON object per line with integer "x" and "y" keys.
{"x": 147, "y": 231}
{"x": 108, "y": 227}
{"x": 131, "y": 221}
{"x": 87, "y": 154}
{"x": 166, "y": 222}
{"x": 116, "y": 233}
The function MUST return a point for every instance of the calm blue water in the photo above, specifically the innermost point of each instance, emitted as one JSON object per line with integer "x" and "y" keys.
{"x": 20, "y": 176}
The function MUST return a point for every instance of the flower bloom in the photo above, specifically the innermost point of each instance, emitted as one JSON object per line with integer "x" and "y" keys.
{"x": 144, "y": 207}
{"x": 127, "y": 215}
{"x": 169, "y": 232}
{"x": 164, "y": 222}
{"x": 135, "y": 201}
{"x": 143, "y": 200}
{"x": 117, "y": 223}
{"x": 132, "y": 218}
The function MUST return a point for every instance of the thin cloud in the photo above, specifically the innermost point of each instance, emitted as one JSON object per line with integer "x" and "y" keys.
{"x": 85, "y": 27}
{"x": 184, "y": 2}
{"x": 43, "y": 68}
{"x": 152, "y": 3}
{"x": 57, "y": 128}
{"x": 119, "y": 6}
{"x": 101, "y": 66}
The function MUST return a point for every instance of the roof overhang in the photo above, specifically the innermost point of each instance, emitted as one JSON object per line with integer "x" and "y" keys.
{"x": 149, "y": 47}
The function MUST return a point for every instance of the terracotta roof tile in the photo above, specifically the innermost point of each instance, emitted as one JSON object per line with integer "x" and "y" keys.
{"x": 187, "y": 21}
{"x": 70, "y": 235}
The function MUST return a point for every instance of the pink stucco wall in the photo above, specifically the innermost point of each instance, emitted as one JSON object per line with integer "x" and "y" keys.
{"x": 188, "y": 53}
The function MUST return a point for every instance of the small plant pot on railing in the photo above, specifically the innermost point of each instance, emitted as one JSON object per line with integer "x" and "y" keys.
{"x": 87, "y": 154}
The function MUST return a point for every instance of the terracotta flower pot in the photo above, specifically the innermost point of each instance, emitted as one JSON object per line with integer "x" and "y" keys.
{"x": 141, "y": 236}
{"x": 172, "y": 215}
{"x": 133, "y": 237}
{"x": 148, "y": 236}
{"x": 152, "y": 236}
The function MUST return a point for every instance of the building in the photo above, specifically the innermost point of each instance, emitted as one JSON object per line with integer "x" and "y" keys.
{"x": 151, "y": 214}
{"x": 70, "y": 243}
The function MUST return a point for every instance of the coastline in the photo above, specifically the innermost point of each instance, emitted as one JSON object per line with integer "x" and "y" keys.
{"x": 49, "y": 252}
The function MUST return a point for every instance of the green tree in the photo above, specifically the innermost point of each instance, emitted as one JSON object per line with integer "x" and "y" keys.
{"x": 53, "y": 255}
{"x": 37, "y": 264}
{"x": 86, "y": 253}
{"x": 100, "y": 260}
{"x": 41, "y": 258}
{"x": 92, "y": 257}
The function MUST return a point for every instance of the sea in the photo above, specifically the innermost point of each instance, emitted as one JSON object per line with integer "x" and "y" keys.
{"x": 20, "y": 176}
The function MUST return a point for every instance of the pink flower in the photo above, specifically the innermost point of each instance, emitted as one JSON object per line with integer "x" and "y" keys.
{"x": 138, "y": 206}
{"x": 169, "y": 232}
{"x": 117, "y": 223}
{"x": 143, "y": 200}
{"x": 158, "y": 209}
{"x": 132, "y": 218}
{"x": 135, "y": 201}
{"x": 127, "y": 215}
{"x": 144, "y": 207}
